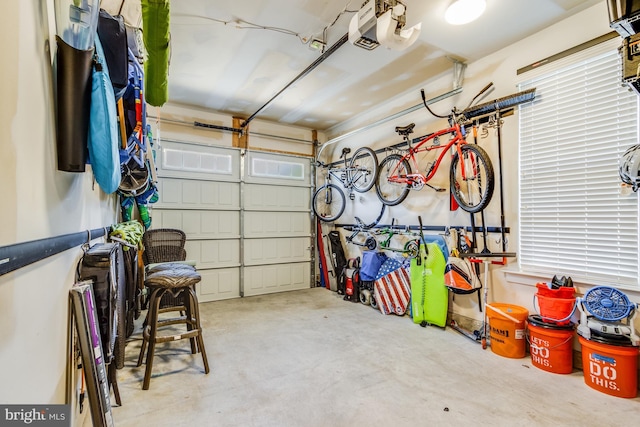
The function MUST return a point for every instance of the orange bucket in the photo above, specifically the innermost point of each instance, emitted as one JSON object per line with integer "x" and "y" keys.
{"x": 555, "y": 305}
{"x": 611, "y": 369}
{"x": 507, "y": 329}
{"x": 562, "y": 292}
{"x": 555, "y": 310}
{"x": 551, "y": 346}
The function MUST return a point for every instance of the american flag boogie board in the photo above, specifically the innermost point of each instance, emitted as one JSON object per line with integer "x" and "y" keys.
{"x": 393, "y": 292}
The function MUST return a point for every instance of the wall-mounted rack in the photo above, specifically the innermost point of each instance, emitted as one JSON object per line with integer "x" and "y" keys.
{"x": 440, "y": 228}
{"x": 13, "y": 257}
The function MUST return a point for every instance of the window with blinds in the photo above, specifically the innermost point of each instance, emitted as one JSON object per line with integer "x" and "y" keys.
{"x": 574, "y": 219}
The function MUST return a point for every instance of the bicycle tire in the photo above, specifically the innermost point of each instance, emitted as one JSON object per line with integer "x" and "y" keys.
{"x": 328, "y": 202}
{"x": 371, "y": 243}
{"x": 390, "y": 193}
{"x": 472, "y": 194}
{"x": 412, "y": 248}
{"x": 363, "y": 169}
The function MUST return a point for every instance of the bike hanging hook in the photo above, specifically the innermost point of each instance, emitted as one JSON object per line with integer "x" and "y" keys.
{"x": 85, "y": 246}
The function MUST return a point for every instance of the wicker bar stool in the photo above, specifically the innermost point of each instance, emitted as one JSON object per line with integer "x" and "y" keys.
{"x": 163, "y": 245}
{"x": 176, "y": 280}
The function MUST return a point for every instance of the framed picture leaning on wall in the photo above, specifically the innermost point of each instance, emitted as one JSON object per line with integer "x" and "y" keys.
{"x": 97, "y": 384}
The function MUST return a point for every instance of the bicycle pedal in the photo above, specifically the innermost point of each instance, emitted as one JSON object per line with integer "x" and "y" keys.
{"x": 438, "y": 189}
{"x": 352, "y": 196}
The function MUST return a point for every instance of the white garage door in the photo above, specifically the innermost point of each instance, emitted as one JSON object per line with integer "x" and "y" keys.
{"x": 249, "y": 232}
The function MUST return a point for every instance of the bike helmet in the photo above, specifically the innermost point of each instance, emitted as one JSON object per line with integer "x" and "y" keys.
{"x": 629, "y": 167}
{"x": 135, "y": 178}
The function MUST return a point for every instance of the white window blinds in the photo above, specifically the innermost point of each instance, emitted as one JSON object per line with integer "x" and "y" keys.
{"x": 573, "y": 219}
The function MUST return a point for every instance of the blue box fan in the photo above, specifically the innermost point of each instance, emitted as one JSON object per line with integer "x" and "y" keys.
{"x": 606, "y": 313}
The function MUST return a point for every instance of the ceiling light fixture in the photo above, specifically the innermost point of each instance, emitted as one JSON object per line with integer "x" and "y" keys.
{"x": 464, "y": 11}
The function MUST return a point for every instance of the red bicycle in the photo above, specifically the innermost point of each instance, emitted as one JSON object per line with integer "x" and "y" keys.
{"x": 471, "y": 174}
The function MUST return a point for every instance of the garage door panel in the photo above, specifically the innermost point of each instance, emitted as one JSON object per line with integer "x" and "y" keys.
{"x": 166, "y": 219}
{"x": 277, "y": 224}
{"x": 266, "y": 168}
{"x": 169, "y": 192}
{"x": 192, "y": 194}
{"x": 248, "y": 234}
{"x": 276, "y": 198}
{"x": 214, "y": 253}
{"x": 276, "y": 278}
{"x": 276, "y": 251}
{"x": 218, "y": 284}
{"x": 200, "y": 162}
{"x": 200, "y": 224}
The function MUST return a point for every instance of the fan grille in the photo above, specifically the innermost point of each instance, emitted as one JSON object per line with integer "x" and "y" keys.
{"x": 607, "y": 303}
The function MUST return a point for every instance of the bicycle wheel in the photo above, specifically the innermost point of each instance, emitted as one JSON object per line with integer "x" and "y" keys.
{"x": 329, "y": 202}
{"x": 363, "y": 169}
{"x": 389, "y": 192}
{"x": 472, "y": 191}
{"x": 411, "y": 248}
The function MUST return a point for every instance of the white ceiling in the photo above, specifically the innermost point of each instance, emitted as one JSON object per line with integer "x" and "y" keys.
{"x": 223, "y": 68}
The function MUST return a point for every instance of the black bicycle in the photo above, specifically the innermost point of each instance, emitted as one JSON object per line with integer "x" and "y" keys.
{"x": 356, "y": 174}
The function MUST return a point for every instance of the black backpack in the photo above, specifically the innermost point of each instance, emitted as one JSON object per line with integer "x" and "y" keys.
{"x": 113, "y": 37}
{"x": 338, "y": 259}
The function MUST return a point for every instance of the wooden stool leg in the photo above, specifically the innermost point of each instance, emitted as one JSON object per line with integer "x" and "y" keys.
{"x": 145, "y": 335}
{"x": 189, "y": 318}
{"x": 154, "y": 307}
{"x": 196, "y": 312}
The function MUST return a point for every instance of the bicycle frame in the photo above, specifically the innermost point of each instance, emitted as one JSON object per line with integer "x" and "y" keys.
{"x": 355, "y": 174}
{"x": 337, "y": 174}
{"x": 391, "y": 232}
{"x": 342, "y": 174}
{"x": 471, "y": 178}
{"x": 458, "y": 140}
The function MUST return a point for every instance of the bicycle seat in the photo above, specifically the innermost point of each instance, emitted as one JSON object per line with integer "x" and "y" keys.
{"x": 405, "y": 130}
{"x": 345, "y": 151}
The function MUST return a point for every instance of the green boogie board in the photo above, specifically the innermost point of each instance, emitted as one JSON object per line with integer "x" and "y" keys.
{"x": 429, "y": 295}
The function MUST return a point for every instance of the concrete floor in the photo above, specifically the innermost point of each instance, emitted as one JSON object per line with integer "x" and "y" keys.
{"x": 308, "y": 358}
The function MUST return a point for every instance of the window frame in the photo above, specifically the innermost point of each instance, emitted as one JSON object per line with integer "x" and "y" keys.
{"x": 542, "y": 264}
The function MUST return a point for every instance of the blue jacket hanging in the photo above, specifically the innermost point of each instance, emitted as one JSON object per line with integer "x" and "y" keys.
{"x": 103, "y": 129}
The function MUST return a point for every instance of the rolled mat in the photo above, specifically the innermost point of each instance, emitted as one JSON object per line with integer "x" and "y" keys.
{"x": 155, "y": 26}
{"x": 73, "y": 104}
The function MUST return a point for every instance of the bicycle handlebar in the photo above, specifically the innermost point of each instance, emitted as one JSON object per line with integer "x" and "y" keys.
{"x": 424, "y": 101}
{"x": 453, "y": 111}
{"x": 484, "y": 89}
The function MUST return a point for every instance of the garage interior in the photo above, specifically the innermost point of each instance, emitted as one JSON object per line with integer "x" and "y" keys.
{"x": 262, "y": 98}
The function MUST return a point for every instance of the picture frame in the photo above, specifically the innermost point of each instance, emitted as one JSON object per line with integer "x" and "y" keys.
{"x": 95, "y": 371}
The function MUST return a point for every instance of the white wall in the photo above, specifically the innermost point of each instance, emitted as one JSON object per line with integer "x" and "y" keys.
{"x": 499, "y": 68}
{"x": 37, "y": 201}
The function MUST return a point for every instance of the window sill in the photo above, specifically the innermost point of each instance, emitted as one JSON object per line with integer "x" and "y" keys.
{"x": 530, "y": 279}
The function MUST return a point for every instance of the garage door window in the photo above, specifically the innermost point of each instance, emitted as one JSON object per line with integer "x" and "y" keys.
{"x": 276, "y": 169}
{"x": 574, "y": 218}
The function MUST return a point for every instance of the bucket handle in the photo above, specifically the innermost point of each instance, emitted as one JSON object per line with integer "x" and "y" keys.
{"x": 569, "y": 338}
{"x": 537, "y": 308}
{"x": 497, "y": 310}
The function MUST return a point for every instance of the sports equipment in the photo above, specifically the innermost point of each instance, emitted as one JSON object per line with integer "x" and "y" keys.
{"x": 629, "y": 167}
{"x": 429, "y": 295}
